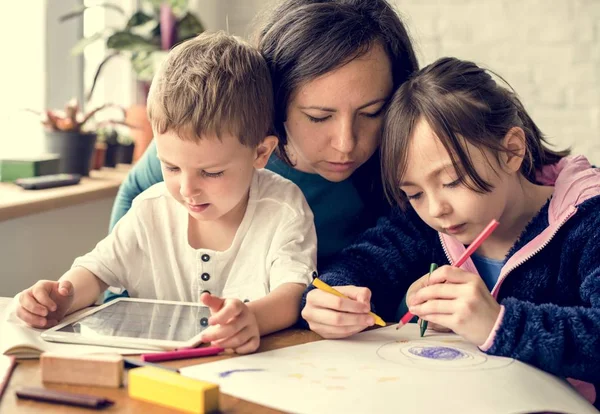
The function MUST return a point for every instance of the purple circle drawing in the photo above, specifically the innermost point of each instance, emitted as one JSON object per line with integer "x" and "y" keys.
{"x": 440, "y": 353}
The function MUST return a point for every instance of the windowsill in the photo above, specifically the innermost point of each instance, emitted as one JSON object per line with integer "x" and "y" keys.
{"x": 18, "y": 202}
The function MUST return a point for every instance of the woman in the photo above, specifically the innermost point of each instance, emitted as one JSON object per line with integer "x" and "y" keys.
{"x": 334, "y": 65}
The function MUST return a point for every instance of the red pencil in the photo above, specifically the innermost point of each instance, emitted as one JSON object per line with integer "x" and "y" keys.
{"x": 461, "y": 260}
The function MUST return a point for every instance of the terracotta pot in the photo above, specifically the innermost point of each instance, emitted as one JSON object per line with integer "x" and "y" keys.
{"x": 99, "y": 156}
{"x": 142, "y": 133}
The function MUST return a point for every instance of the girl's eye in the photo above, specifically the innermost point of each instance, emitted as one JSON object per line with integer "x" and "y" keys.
{"x": 453, "y": 184}
{"x": 317, "y": 120}
{"x": 212, "y": 175}
{"x": 414, "y": 196}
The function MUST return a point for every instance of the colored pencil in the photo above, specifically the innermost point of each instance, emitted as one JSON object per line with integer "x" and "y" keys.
{"x": 461, "y": 260}
{"x": 182, "y": 354}
{"x": 319, "y": 284}
{"x": 422, "y": 323}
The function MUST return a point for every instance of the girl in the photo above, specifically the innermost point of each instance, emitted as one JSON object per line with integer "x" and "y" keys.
{"x": 459, "y": 150}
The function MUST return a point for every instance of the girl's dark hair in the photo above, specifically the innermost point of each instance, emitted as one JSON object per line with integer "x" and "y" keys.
{"x": 461, "y": 102}
{"x": 304, "y": 39}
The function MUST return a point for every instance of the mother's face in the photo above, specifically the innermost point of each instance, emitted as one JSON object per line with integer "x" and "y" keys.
{"x": 334, "y": 121}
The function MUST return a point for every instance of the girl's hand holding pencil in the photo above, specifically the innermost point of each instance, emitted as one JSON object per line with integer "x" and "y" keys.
{"x": 458, "y": 300}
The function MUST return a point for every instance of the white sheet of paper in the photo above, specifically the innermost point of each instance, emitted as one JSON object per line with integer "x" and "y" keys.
{"x": 390, "y": 371}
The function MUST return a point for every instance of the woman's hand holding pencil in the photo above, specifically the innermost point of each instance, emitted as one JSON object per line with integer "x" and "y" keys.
{"x": 340, "y": 314}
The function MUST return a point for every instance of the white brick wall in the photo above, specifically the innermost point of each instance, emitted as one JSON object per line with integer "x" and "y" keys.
{"x": 548, "y": 51}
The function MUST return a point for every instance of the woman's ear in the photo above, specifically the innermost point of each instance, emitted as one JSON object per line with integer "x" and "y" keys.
{"x": 264, "y": 151}
{"x": 515, "y": 143}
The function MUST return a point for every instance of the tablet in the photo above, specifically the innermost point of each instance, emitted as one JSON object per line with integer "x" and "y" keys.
{"x": 135, "y": 323}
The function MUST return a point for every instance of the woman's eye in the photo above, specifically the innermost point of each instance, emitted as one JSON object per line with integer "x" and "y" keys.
{"x": 212, "y": 175}
{"x": 374, "y": 114}
{"x": 317, "y": 120}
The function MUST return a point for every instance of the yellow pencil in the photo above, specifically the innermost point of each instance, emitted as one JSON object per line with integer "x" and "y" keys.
{"x": 319, "y": 284}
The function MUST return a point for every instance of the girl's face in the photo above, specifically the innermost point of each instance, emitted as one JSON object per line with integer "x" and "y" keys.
{"x": 334, "y": 121}
{"x": 431, "y": 185}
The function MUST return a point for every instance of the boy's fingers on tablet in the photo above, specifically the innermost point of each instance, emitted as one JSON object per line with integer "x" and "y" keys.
{"x": 235, "y": 341}
{"x": 30, "y": 319}
{"x": 41, "y": 294}
{"x": 215, "y": 303}
{"x": 28, "y": 302}
{"x": 230, "y": 310}
{"x": 249, "y": 347}
{"x": 222, "y": 332}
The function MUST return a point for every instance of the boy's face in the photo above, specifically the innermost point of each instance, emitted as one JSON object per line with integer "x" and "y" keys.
{"x": 210, "y": 177}
{"x": 432, "y": 187}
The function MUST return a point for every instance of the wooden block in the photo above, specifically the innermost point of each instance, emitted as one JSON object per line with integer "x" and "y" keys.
{"x": 172, "y": 390}
{"x": 94, "y": 370}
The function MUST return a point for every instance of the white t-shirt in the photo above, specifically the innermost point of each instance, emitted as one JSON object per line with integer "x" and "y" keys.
{"x": 148, "y": 252}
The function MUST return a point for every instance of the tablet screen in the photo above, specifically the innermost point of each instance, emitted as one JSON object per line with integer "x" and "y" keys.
{"x": 161, "y": 321}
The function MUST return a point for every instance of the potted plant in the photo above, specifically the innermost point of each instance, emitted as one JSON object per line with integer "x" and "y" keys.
{"x": 145, "y": 38}
{"x": 68, "y": 134}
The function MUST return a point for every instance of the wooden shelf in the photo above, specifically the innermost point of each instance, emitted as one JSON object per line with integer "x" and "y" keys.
{"x": 18, "y": 202}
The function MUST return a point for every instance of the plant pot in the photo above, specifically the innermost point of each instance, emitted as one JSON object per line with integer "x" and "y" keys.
{"x": 142, "y": 132}
{"x": 124, "y": 154}
{"x": 111, "y": 155}
{"x": 74, "y": 148}
{"x": 99, "y": 156}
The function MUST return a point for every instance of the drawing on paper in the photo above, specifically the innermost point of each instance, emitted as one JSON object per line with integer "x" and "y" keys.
{"x": 433, "y": 355}
{"x": 226, "y": 374}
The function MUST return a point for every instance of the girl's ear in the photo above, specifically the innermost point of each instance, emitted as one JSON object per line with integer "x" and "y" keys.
{"x": 264, "y": 151}
{"x": 515, "y": 143}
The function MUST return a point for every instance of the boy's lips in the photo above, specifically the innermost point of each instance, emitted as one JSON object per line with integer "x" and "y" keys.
{"x": 198, "y": 208}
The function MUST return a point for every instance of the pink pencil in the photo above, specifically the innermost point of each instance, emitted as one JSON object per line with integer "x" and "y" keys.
{"x": 182, "y": 354}
{"x": 461, "y": 260}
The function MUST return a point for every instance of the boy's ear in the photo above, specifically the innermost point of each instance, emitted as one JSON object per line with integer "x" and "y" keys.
{"x": 264, "y": 151}
{"x": 515, "y": 143}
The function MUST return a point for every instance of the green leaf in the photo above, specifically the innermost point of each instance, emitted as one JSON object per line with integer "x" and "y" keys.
{"x": 138, "y": 19}
{"x": 130, "y": 42}
{"x": 143, "y": 65}
{"x": 85, "y": 42}
{"x": 79, "y": 11}
{"x": 189, "y": 26}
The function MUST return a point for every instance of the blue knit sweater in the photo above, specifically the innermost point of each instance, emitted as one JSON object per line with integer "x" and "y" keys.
{"x": 551, "y": 299}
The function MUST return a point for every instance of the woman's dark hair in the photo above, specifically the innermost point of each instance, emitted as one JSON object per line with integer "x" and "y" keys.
{"x": 460, "y": 102}
{"x": 304, "y": 39}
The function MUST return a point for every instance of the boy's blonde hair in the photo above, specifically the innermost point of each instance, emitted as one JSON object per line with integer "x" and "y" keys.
{"x": 213, "y": 83}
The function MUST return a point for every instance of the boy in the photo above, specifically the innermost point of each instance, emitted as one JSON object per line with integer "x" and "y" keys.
{"x": 219, "y": 226}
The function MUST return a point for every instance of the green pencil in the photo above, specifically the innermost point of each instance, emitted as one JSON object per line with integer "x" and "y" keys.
{"x": 422, "y": 323}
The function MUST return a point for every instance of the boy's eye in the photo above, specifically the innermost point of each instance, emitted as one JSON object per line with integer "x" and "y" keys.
{"x": 317, "y": 120}
{"x": 171, "y": 169}
{"x": 212, "y": 175}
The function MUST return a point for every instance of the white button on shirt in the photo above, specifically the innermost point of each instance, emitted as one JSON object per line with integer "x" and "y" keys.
{"x": 148, "y": 252}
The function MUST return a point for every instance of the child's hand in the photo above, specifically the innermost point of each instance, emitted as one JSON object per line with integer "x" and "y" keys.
{"x": 458, "y": 300}
{"x": 45, "y": 304}
{"x": 334, "y": 317}
{"x": 233, "y": 325}
{"x": 418, "y": 284}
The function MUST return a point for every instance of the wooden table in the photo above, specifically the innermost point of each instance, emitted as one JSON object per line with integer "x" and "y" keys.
{"x": 27, "y": 374}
